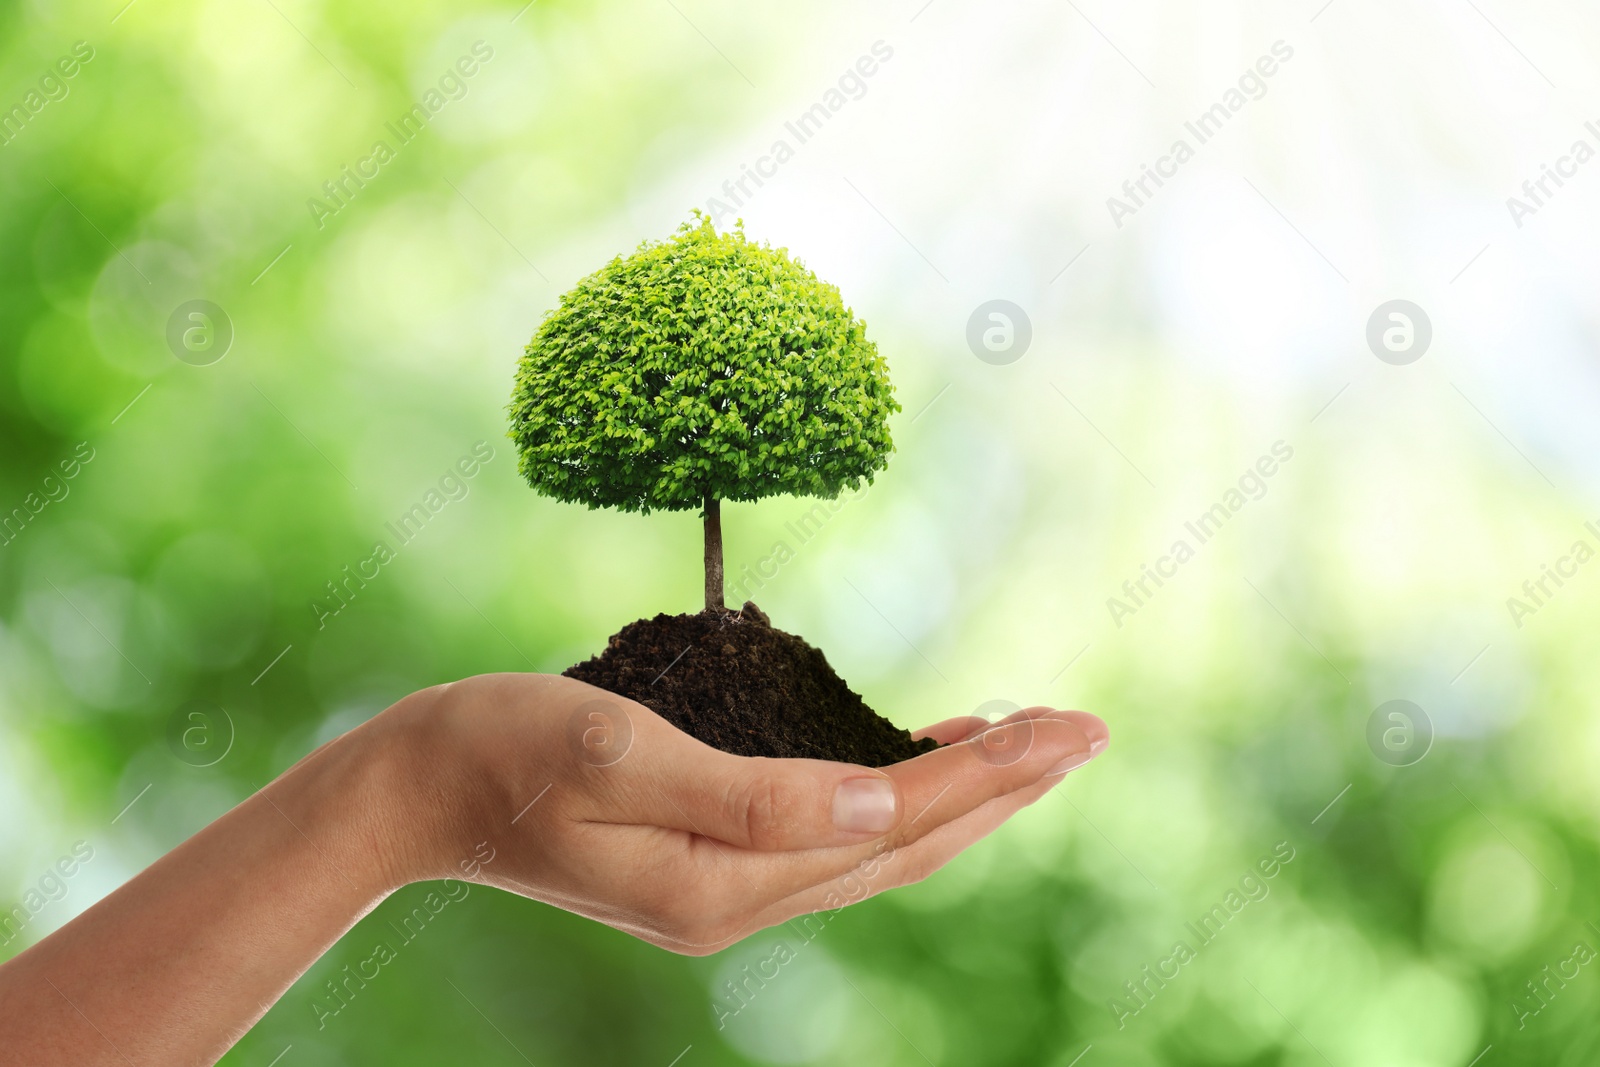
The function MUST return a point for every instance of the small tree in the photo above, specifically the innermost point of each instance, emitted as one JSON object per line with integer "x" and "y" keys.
{"x": 700, "y": 369}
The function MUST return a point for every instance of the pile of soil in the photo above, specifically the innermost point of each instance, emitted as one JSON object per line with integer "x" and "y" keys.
{"x": 737, "y": 684}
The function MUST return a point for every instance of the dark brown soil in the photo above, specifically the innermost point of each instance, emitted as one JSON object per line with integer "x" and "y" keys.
{"x": 739, "y": 685}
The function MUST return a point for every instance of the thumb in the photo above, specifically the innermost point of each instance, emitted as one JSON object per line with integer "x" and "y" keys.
{"x": 775, "y": 805}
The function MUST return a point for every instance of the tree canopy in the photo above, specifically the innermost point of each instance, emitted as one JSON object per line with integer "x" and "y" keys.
{"x": 703, "y": 367}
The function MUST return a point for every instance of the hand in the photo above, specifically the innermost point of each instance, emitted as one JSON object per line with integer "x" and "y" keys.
{"x": 597, "y": 805}
{"x": 540, "y": 785}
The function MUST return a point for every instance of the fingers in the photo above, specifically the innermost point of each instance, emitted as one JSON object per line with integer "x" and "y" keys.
{"x": 1093, "y": 727}
{"x": 738, "y": 840}
{"x": 950, "y": 731}
{"x": 938, "y": 788}
{"x": 883, "y": 869}
{"x": 773, "y": 805}
{"x": 946, "y": 784}
{"x": 666, "y": 778}
{"x": 781, "y": 806}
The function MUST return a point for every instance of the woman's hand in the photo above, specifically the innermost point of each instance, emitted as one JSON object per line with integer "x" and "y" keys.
{"x": 595, "y": 804}
{"x": 540, "y": 785}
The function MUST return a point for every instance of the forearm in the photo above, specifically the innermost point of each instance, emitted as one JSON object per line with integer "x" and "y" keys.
{"x": 178, "y": 963}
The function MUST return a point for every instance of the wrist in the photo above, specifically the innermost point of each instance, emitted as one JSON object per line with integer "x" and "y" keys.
{"x": 349, "y": 798}
{"x": 404, "y": 782}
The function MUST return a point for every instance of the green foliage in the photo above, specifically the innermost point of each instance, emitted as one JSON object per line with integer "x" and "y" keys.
{"x": 1407, "y": 930}
{"x": 703, "y": 365}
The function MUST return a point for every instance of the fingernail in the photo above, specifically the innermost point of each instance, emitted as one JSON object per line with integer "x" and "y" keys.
{"x": 1071, "y": 763}
{"x": 1097, "y": 747}
{"x": 864, "y": 805}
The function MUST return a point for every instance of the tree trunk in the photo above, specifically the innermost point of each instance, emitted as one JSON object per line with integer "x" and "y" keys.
{"x": 713, "y": 514}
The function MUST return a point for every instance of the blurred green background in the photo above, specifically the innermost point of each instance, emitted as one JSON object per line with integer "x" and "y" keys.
{"x": 162, "y": 655}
